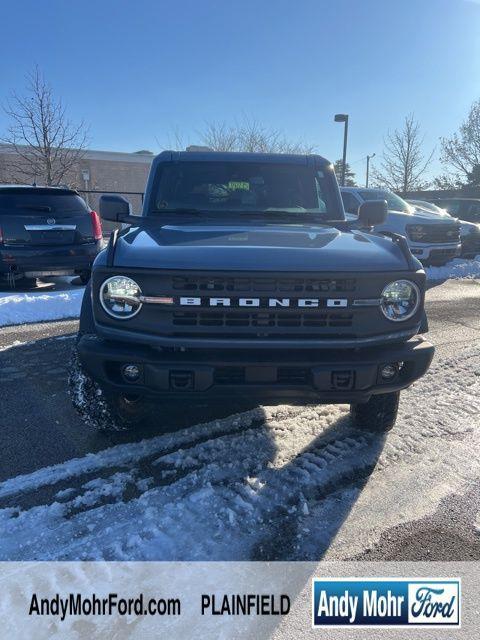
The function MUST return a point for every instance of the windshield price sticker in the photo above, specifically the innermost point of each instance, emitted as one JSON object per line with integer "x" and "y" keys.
{"x": 235, "y": 185}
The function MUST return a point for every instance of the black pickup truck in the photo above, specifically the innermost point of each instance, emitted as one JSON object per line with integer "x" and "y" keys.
{"x": 242, "y": 276}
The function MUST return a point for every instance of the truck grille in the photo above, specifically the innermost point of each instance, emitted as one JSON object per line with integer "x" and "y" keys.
{"x": 280, "y": 306}
{"x": 259, "y": 319}
{"x": 435, "y": 233}
{"x": 258, "y": 285}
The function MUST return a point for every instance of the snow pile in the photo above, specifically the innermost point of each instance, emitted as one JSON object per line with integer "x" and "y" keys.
{"x": 455, "y": 269}
{"x": 271, "y": 483}
{"x": 38, "y": 306}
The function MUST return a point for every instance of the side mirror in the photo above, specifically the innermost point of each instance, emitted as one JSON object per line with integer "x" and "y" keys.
{"x": 372, "y": 212}
{"x": 114, "y": 208}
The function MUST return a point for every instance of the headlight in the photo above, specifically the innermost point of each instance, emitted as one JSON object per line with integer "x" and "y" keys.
{"x": 119, "y": 296}
{"x": 400, "y": 300}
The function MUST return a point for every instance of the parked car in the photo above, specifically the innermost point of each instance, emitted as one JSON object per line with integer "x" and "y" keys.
{"x": 431, "y": 239}
{"x": 469, "y": 231}
{"x": 467, "y": 209}
{"x": 46, "y": 231}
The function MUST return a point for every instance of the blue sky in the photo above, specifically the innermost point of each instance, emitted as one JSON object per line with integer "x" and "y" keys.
{"x": 136, "y": 70}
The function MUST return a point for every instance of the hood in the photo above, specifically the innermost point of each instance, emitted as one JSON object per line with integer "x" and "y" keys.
{"x": 428, "y": 216}
{"x": 397, "y": 221}
{"x": 466, "y": 228}
{"x": 257, "y": 248}
{"x": 420, "y": 216}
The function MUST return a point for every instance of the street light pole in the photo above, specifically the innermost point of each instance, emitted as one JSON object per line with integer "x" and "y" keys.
{"x": 368, "y": 169}
{"x": 343, "y": 117}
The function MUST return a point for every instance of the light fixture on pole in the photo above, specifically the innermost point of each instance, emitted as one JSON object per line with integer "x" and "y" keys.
{"x": 343, "y": 117}
{"x": 86, "y": 178}
{"x": 368, "y": 169}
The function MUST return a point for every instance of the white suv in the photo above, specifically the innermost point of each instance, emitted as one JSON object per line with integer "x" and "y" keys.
{"x": 432, "y": 239}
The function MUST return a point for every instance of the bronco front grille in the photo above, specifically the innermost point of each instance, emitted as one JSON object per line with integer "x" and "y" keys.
{"x": 261, "y": 319}
{"x": 190, "y": 284}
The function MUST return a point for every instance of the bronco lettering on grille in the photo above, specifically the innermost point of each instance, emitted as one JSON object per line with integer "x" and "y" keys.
{"x": 194, "y": 301}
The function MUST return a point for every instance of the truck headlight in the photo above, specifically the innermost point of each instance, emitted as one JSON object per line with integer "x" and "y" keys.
{"x": 400, "y": 300}
{"x": 416, "y": 232}
{"x": 120, "y": 297}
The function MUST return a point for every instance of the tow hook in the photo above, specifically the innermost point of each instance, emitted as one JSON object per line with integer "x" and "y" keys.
{"x": 182, "y": 380}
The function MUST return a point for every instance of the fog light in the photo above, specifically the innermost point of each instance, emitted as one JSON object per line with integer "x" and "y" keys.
{"x": 388, "y": 371}
{"x": 131, "y": 372}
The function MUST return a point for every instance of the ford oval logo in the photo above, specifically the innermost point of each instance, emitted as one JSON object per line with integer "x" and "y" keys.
{"x": 51, "y": 221}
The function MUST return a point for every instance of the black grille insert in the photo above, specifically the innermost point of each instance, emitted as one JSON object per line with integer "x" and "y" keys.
{"x": 293, "y": 375}
{"x": 257, "y": 285}
{"x": 285, "y": 375}
{"x": 261, "y": 319}
{"x": 229, "y": 375}
{"x": 437, "y": 233}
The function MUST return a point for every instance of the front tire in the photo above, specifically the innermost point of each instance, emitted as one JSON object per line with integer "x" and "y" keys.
{"x": 100, "y": 409}
{"x": 378, "y": 414}
{"x": 84, "y": 276}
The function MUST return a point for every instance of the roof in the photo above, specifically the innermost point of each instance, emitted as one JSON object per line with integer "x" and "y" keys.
{"x": 447, "y": 198}
{"x": 238, "y": 156}
{"x": 35, "y": 188}
{"x": 362, "y": 189}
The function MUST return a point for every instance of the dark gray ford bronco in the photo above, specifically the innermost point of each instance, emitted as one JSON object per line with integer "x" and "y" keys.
{"x": 242, "y": 276}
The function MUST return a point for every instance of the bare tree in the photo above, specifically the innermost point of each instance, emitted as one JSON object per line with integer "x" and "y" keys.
{"x": 461, "y": 152}
{"x": 47, "y": 145}
{"x": 251, "y": 136}
{"x": 219, "y": 136}
{"x": 404, "y": 163}
{"x": 175, "y": 141}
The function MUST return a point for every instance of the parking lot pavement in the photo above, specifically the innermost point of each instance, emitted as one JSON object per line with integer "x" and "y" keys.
{"x": 39, "y": 428}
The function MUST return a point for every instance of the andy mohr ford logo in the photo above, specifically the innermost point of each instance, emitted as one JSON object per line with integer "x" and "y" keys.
{"x": 386, "y": 602}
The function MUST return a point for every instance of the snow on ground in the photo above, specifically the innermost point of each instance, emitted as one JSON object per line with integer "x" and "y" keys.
{"x": 455, "y": 269}
{"x": 40, "y": 306}
{"x": 272, "y": 483}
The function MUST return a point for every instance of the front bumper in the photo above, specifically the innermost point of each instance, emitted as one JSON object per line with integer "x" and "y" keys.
{"x": 339, "y": 376}
{"x": 62, "y": 259}
{"x": 435, "y": 253}
{"x": 471, "y": 245}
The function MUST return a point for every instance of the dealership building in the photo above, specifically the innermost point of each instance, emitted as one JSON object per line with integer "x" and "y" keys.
{"x": 95, "y": 173}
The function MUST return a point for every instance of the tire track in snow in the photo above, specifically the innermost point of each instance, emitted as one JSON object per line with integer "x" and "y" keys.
{"x": 230, "y": 490}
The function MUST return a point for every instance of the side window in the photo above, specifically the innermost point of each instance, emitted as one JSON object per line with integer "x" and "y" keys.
{"x": 350, "y": 203}
{"x": 472, "y": 212}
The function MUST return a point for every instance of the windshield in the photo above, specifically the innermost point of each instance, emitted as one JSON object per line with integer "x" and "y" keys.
{"x": 38, "y": 203}
{"x": 394, "y": 202}
{"x": 425, "y": 205}
{"x": 244, "y": 187}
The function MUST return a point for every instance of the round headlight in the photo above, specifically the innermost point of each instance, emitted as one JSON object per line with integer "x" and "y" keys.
{"x": 400, "y": 300}
{"x": 119, "y": 296}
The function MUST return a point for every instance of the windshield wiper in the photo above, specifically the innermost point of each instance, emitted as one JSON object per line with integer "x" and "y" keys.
{"x": 289, "y": 216}
{"x": 180, "y": 210}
